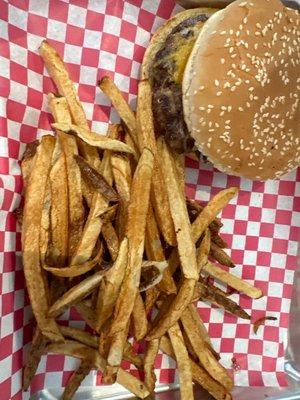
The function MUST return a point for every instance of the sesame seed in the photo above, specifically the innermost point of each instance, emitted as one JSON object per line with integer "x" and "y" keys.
{"x": 201, "y": 87}
{"x": 217, "y": 83}
{"x": 201, "y": 108}
{"x": 219, "y": 93}
{"x": 222, "y": 60}
{"x": 241, "y": 109}
{"x": 231, "y": 31}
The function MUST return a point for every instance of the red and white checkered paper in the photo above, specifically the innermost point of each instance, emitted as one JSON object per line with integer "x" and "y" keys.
{"x": 261, "y": 226}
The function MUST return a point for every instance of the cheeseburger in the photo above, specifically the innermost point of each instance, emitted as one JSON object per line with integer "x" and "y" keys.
{"x": 226, "y": 82}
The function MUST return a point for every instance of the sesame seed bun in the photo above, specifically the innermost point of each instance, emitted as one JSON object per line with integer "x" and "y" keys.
{"x": 241, "y": 89}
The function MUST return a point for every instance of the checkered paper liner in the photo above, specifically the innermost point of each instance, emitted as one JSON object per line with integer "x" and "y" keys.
{"x": 261, "y": 225}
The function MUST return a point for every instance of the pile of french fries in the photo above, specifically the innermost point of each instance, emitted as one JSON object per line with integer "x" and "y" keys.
{"x": 106, "y": 229}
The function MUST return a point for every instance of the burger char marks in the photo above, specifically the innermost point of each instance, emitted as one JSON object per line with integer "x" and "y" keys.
{"x": 166, "y": 78}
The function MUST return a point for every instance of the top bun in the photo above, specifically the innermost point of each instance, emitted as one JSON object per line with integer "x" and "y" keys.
{"x": 241, "y": 89}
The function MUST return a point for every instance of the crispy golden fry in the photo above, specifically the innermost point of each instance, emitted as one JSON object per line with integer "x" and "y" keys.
{"x": 179, "y": 160}
{"x": 76, "y": 293}
{"x": 139, "y": 318}
{"x": 178, "y": 305}
{"x": 200, "y": 325}
{"x": 151, "y": 274}
{"x": 65, "y": 86}
{"x": 37, "y": 349}
{"x": 183, "y": 362}
{"x": 78, "y": 350}
{"x": 120, "y": 104}
{"x": 36, "y": 284}
{"x": 261, "y": 321}
{"x": 96, "y": 180}
{"x": 105, "y": 168}
{"x": 131, "y": 356}
{"x": 45, "y": 224}
{"x": 203, "y": 251}
{"x": 113, "y": 280}
{"x": 91, "y": 230}
{"x": 213, "y": 387}
{"x": 194, "y": 209}
{"x": 59, "y": 211}
{"x": 151, "y": 298}
{"x": 75, "y": 380}
{"x": 94, "y": 139}
{"x": 149, "y": 360}
{"x": 76, "y": 270}
{"x": 61, "y": 113}
{"x": 219, "y": 255}
{"x": 146, "y": 136}
{"x": 233, "y": 281}
{"x": 137, "y": 214}
{"x": 216, "y": 239}
{"x": 111, "y": 240}
{"x": 79, "y": 335}
{"x": 199, "y": 374}
{"x": 206, "y": 357}
{"x": 160, "y": 203}
{"x": 218, "y": 297}
{"x": 211, "y": 210}
{"x": 122, "y": 175}
{"x": 185, "y": 243}
{"x": 154, "y": 251}
{"x": 28, "y": 160}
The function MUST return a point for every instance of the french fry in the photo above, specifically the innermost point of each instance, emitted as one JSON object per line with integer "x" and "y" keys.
{"x": 95, "y": 180}
{"x": 37, "y": 349}
{"x": 61, "y": 113}
{"x": 78, "y": 350}
{"x": 137, "y": 214}
{"x": 59, "y": 212}
{"x": 183, "y": 362}
{"x": 151, "y": 274}
{"x": 105, "y": 168}
{"x": 122, "y": 175}
{"x": 57, "y": 70}
{"x": 91, "y": 230}
{"x": 76, "y": 270}
{"x": 151, "y": 298}
{"x": 233, "y": 281}
{"x": 211, "y": 210}
{"x": 94, "y": 139}
{"x": 36, "y": 284}
{"x": 185, "y": 243}
{"x": 219, "y": 255}
{"x": 28, "y": 159}
{"x": 113, "y": 280}
{"x": 111, "y": 240}
{"x": 139, "y": 318}
{"x": 206, "y": 357}
{"x": 149, "y": 360}
{"x": 178, "y": 305}
{"x": 76, "y": 293}
{"x": 154, "y": 251}
{"x": 45, "y": 224}
{"x": 199, "y": 374}
{"x": 203, "y": 250}
{"x": 131, "y": 356}
{"x": 218, "y": 297}
{"x": 200, "y": 325}
{"x": 194, "y": 209}
{"x": 146, "y": 137}
{"x": 179, "y": 160}
{"x": 79, "y": 335}
{"x": 75, "y": 380}
{"x": 127, "y": 115}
